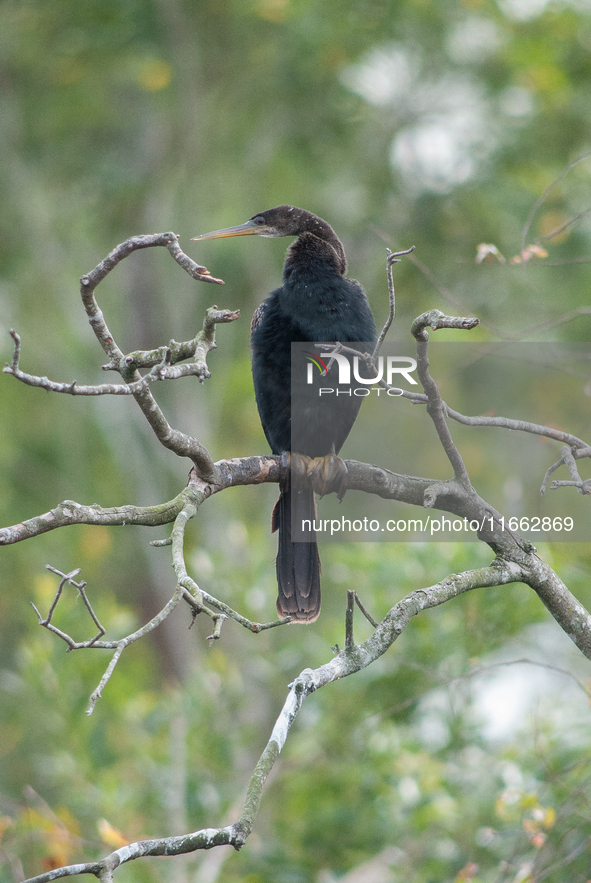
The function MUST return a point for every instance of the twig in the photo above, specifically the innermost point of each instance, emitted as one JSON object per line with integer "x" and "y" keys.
{"x": 196, "y": 596}
{"x": 349, "y": 639}
{"x": 583, "y": 487}
{"x": 352, "y": 599}
{"x": 161, "y": 361}
{"x": 69, "y": 512}
{"x": 168, "y": 240}
{"x": 162, "y": 371}
{"x": 187, "y": 263}
{"x": 579, "y": 447}
{"x": 68, "y": 578}
{"x": 435, "y": 407}
{"x": 94, "y": 643}
{"x": 365, "y": 612}
{"x": 435, "y": 319}
{"x": 187, "y": 505}
{"x": 181, "y": 444}
{"x": 175, "y": 352}
{"x": 542, "y": 199}
{"x": 131, "y": 639}
{"x": 569, "y": 453}
{"x": 560, "y": 229}
{"x": 393, "y": 258}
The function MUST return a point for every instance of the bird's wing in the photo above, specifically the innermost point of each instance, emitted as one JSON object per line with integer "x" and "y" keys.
{"x": 257, "y": 318}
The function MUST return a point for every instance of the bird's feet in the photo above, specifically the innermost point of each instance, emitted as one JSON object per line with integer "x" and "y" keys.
{"x": 327, "y": 475}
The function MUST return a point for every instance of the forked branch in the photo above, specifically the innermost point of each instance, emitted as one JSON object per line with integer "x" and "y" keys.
{"x": 516, "y": 560}
{"x": 347, "y": 662}
{"x": 181, "y": 444}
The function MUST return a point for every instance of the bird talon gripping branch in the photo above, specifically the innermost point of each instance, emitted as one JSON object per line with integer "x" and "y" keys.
{"x": 328, "y": 475}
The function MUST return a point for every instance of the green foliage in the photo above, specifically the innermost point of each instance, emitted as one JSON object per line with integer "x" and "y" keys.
{"x": 433, "y": 124}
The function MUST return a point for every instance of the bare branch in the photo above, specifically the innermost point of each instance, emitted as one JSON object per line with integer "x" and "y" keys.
{"x": 568, "y": 612}
{"x": 186, "y": 589}
{"x": 69, "y": 578}
{"x": 160, "y": 360}
{"x": 175, "y": 352}
{"x": 69, "y": 512}
{"x": 188, "y": 264}
{"x": 583, "y": 487}
{"x": 579, "y": 447}
{"x": 570, "y": 462}
{"x": 168, "y": 240}
{"x": 435, "y": 407}
{"x": 365, "y": 612}
{"x": 393, "y": 258}
{"x": 94, "y": 643}
{"x": 516, "y": 560}
{"x": 127, "y": 641}
{"x": 159, "y": 372}
{"x": 569, "y": 455}
{"x": 435, "y": 319}
{"x": 345, "y": 663}
{"x": 178, "y": 442}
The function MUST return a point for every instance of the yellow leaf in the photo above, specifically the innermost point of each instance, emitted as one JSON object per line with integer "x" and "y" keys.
{"x": 110, "y": 835}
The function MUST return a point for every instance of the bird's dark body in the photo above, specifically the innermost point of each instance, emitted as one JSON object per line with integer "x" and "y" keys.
{"x": 316, "y": 303}
{"x": 315, "y": 308}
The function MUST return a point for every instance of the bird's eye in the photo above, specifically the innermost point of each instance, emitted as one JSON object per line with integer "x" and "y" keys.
{"x": 259, "y": 220}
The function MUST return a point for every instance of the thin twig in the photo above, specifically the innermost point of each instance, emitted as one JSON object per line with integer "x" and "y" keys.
{"x": 393, "y": 258}
{"x": 563, "y": 227}
{"x": 81, "y": 587}
{"x": 365, "y": 612}
{"x": 435, "y": 407}
{"x": 349, "y": 639}
{"x": 542, "y": 199}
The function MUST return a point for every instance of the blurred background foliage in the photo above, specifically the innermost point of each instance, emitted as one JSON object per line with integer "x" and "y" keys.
{"x": 415, "y": 122}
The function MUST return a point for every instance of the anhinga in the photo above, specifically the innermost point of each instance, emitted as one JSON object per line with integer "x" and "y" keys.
{"x": 316, "y": 303}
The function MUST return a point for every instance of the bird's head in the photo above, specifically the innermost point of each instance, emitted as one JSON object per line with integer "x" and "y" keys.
{"x": 287, "y": 220}
{"x": 284, "y": 220}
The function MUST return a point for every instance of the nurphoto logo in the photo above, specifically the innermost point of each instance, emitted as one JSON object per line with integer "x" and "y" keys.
{"x": 388, "y": 366}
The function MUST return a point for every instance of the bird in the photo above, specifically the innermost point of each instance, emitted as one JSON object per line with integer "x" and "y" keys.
{"x": 316, "y": 303}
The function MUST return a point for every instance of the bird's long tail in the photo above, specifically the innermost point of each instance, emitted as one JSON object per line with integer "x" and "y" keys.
{"x": 298, "y": 564}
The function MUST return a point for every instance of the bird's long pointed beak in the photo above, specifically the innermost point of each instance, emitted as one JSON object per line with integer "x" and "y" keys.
{"x": 247, "y": 229}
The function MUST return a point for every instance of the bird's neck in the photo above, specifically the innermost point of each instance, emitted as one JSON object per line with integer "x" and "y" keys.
{"x": 310, "y": 253}
{"x": 317, "y": 238}
{"x": 314, "y": 292}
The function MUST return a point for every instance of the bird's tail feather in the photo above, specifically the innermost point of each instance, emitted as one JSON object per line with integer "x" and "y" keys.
{"x": 298, "y": 564}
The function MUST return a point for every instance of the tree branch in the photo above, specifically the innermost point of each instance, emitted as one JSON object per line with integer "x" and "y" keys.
{"x": 516, "y": 560}
{"x": 435, "y": 406}
{"x": 178, "y": 442}
{"x": 393, "y": 258}
{"x": 347, "y": 662}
